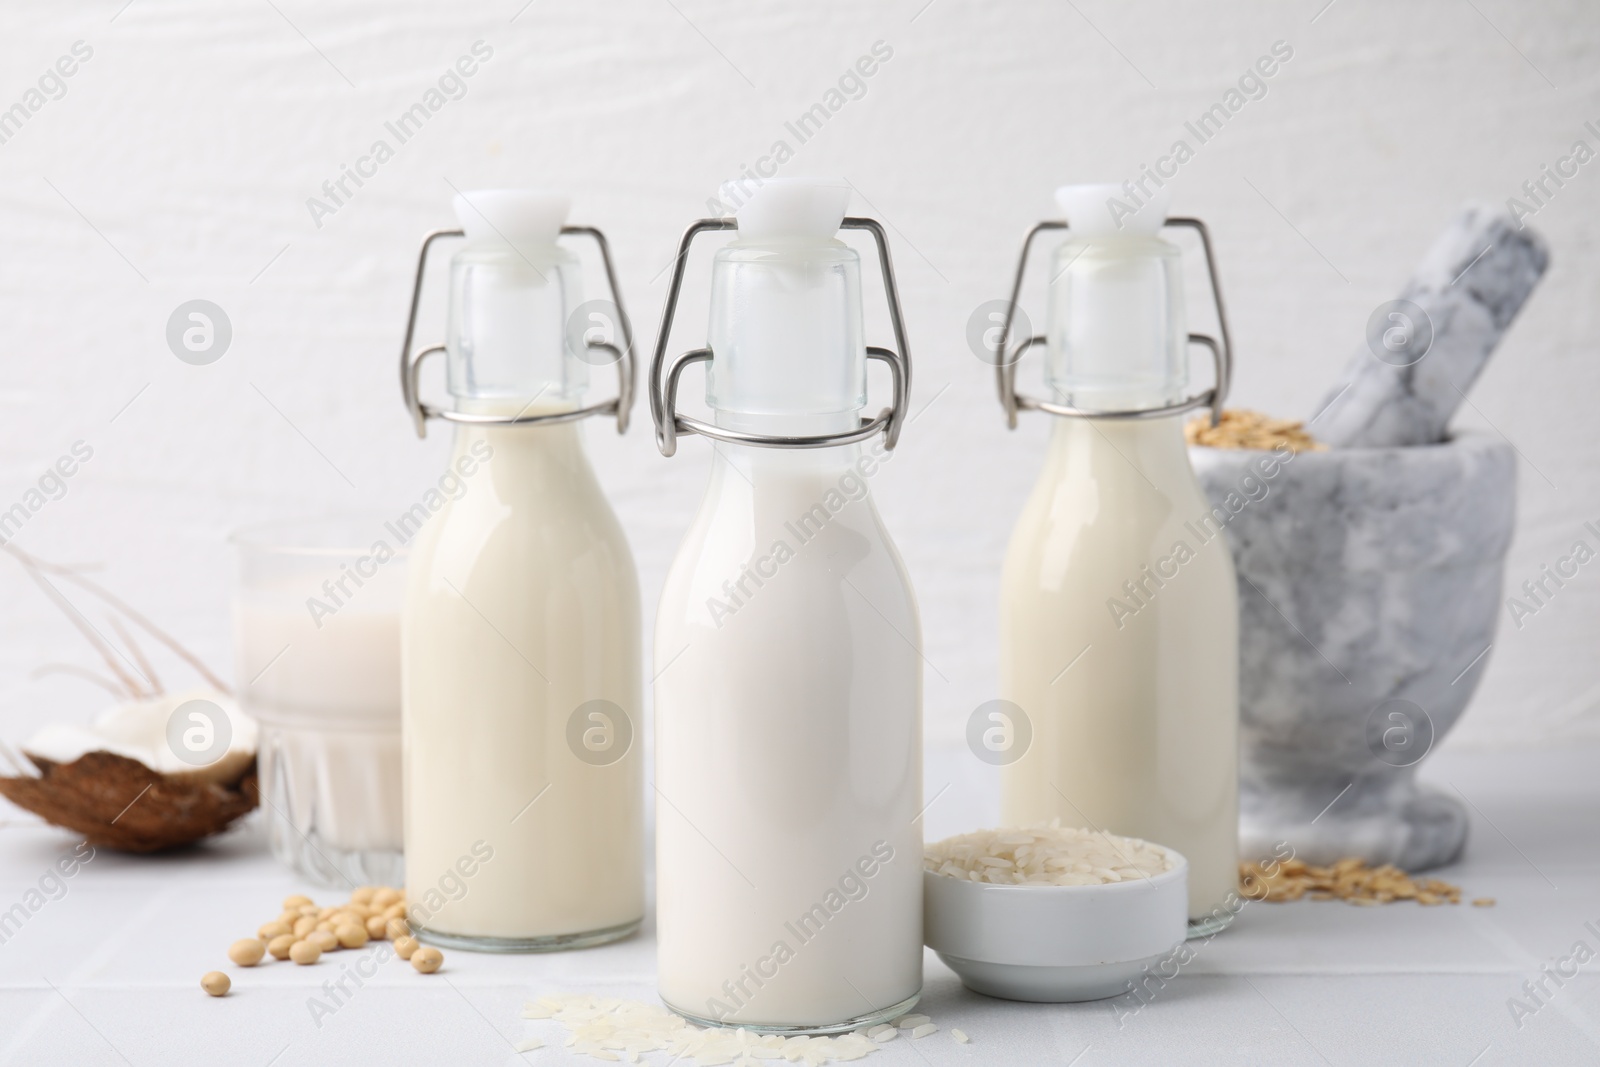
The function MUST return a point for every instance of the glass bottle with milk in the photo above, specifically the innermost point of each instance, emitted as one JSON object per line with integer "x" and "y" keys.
{"x": 788, "y": 690}
{"x": 1118, "y": 610}
{"x": 520, "y": 631}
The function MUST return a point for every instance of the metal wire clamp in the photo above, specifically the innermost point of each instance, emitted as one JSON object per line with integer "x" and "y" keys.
{"x": 411, "y": 365}
{"x": 664, "y": 389}
{"x": 1006, "y": 365}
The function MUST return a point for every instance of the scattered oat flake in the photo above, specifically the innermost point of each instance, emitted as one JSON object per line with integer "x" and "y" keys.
{"x": 1349, "y": 880}
{"x": 1239, "y": 428}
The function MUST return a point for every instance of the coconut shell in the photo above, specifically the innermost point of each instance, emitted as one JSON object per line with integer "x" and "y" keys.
{"x": 119, "y": 803}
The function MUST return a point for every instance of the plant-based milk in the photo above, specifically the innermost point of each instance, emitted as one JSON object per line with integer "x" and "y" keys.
{"x": 316, "y": 623}
{"x": 788, "y": 667}
{"x": 520, "y": 635}
{"x": 1119, "y": 614}
{"x": 1137, "y": 736}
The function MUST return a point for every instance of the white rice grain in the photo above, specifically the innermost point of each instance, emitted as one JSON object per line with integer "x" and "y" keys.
{"x": 1046, "y": 855}
{"x": 606, "y": 1028}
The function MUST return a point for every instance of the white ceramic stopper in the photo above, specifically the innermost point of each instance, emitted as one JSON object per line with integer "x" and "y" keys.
{"x": 522, "y": 218}
{"x": 805, "y": 208}
{"x": 1101, "y": 210}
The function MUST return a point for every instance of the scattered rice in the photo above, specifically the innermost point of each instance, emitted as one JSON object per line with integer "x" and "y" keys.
{"x": 1045, "y": 855}
{"x": 610, "y": 1029}
{"x": 529, "y": 1044}
{"x": 959, "y": 1035}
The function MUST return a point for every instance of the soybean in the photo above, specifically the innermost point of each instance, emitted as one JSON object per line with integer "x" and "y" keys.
{"x": 247, "y": 952}
{"x": 305, "y": 930}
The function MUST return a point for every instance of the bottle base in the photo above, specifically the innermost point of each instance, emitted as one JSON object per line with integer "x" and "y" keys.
{"x": 872, "y": 1018}
{"x": 553, "y": 943}
{"x": 1209, "y": 926}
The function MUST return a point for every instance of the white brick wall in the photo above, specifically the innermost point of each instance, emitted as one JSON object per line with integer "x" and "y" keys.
{"x": 178, "y": 164}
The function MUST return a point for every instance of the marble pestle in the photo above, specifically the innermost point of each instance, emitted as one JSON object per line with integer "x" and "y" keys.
{"x": 1424, "y": 350}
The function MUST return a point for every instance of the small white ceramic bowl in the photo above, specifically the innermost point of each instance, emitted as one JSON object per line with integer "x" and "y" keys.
{"x": 1055, "y": 944}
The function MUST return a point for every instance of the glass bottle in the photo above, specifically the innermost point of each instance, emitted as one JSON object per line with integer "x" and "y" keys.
{"x": 788, "y": 695}
{"x": 1118, "y": 611}
{"x": 520, "y": 632}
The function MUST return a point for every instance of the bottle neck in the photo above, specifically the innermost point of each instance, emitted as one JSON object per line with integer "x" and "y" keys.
{"x": 1116, "y": 333}
{"x": 785, "y": 331}
{"x": 756, "y": 462}
{"x": 560, "y": 440}
{"x": 1151, "y": 451}
{"x": 791, "y": 425}
{"x": 509, "y": 337}
{"x": 750, "y": 484}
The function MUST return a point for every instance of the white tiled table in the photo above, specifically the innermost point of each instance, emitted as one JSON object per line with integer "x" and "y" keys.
{"x": 108, "y": 973}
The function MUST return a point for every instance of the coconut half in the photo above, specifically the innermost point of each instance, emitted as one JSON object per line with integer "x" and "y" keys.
{"x": 142, "y": 730}
{"x": 146, "y": 774}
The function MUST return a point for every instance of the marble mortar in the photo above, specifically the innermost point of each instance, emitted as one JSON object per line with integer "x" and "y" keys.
{"x": 1369, "y": 590}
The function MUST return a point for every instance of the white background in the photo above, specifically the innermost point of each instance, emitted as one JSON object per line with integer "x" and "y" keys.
{"x": 179, "y": 162}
